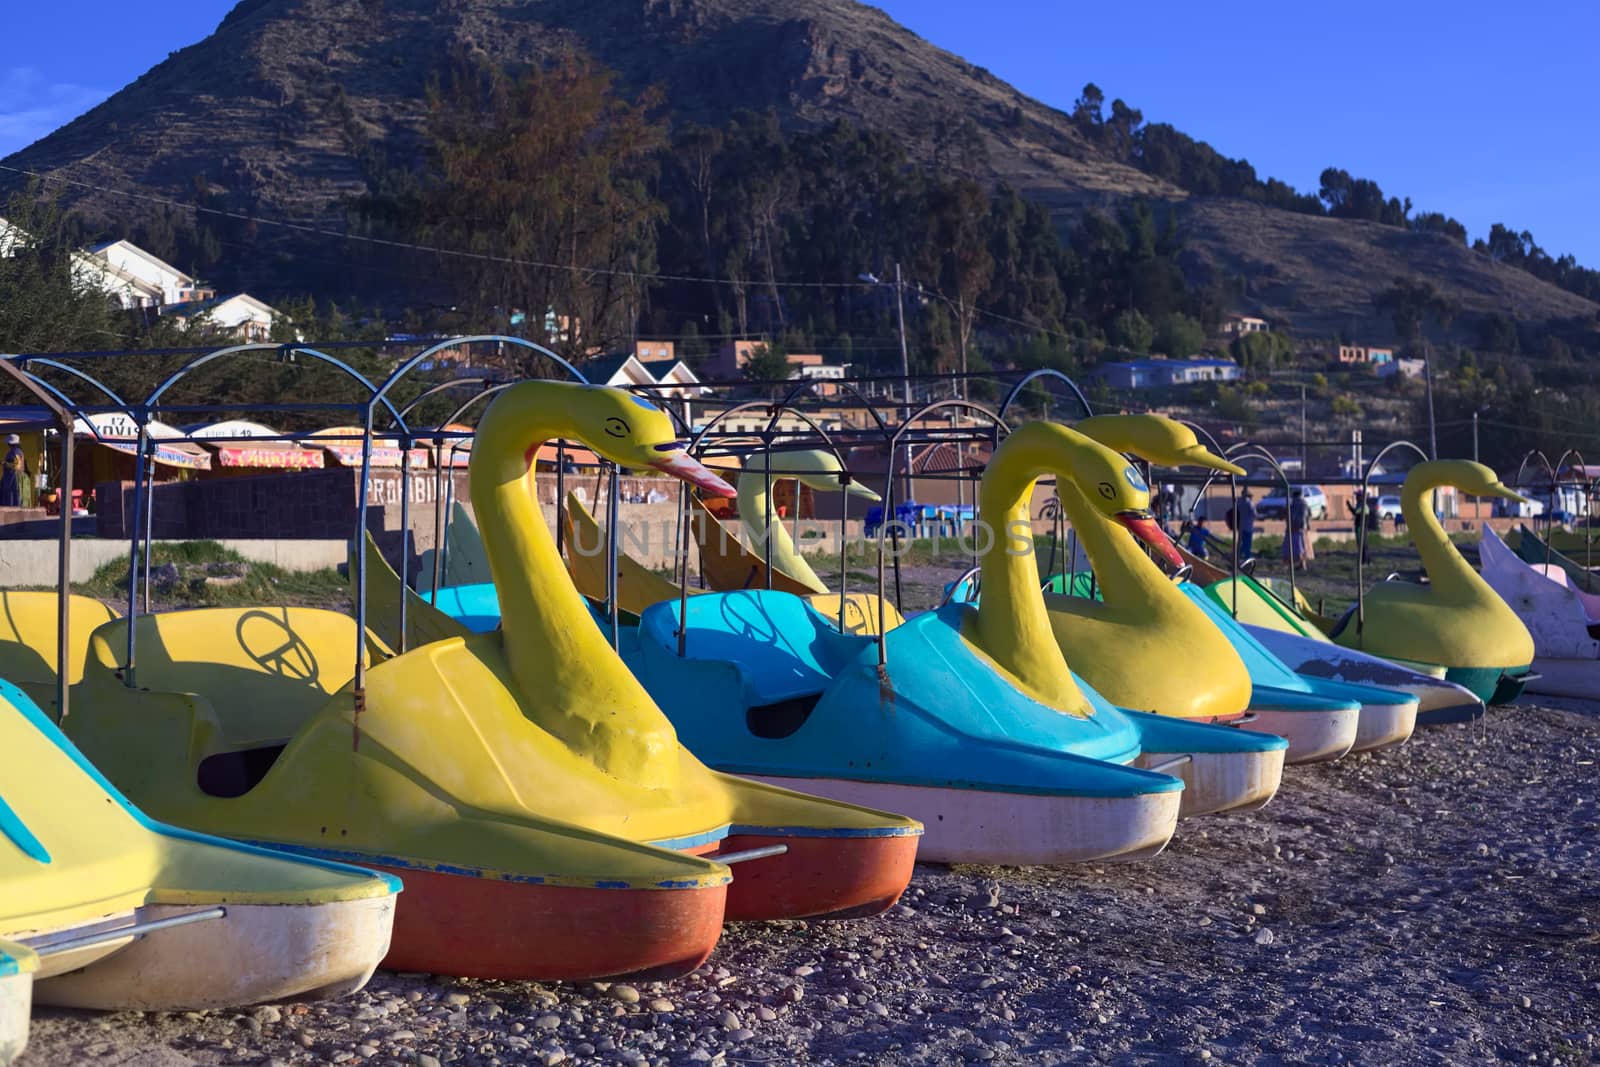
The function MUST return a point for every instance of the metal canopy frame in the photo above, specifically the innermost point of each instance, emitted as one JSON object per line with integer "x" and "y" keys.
{"x": 1361, "y": 535}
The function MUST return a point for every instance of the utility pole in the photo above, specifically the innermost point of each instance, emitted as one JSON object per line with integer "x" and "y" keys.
{"x": 1477, "y": 501}
{"x": 905, "y": 364}
{"x": 1303, "y": 468}
{"x": 1427, "y": 378}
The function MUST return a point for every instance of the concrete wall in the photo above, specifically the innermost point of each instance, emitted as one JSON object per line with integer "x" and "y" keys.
{"x": 33, "y": 562}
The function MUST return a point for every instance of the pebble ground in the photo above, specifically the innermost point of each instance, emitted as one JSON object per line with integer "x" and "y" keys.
{"x": 1436, "y": 904}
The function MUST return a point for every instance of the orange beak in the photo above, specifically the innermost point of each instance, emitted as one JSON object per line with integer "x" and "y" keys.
{"x": 1144, "y": 526}
{"x": 680, "y": 464}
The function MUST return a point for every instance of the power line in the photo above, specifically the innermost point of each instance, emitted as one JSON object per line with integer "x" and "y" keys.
{"x": 308, "y": 228}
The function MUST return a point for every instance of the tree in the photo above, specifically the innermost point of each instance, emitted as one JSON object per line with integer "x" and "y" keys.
{"x": 47, "y": 302}
{"x": 1132, "y": 331}
{"x": 1086, "y": 110}
{"x": 957, "y": 255}
{"x": 767, "y": 363}
{"x": 1179, "y": 335}
{"x": 544, "y": 177}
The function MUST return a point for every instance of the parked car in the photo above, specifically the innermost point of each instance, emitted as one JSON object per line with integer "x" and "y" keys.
{"x": 1276, "y": 506}
{"x": 1389, "y": 508}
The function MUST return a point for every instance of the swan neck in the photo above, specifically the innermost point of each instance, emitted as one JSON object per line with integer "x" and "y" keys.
{"x": 1447, "y": 571}
{"x": 771, "y": 540}
{"x": 1011, "y": 623}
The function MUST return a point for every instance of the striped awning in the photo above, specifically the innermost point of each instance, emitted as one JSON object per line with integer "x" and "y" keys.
{"x": 118, "y": 432}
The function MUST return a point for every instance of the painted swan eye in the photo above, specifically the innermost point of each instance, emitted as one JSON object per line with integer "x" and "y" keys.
{"x": 615, "y": 427}
{"x": 1107, "y": 490}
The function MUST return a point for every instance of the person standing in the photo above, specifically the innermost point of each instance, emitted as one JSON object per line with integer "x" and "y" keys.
{"x": 1294, "y": 545}
{"x": 1360, "y": 510}
{"x": 1200, "y": 537}
{"x": 12, "y": 470}
{"x": 1244, "y": 523}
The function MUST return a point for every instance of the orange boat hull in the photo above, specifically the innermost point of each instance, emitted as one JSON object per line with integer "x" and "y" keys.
{"x": 819, "y": 877}
{"x": 490, "y": 928}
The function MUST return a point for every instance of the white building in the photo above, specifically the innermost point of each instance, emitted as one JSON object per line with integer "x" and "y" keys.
{"x": 1145, "y": 373}
{"x": 241, "y": 315}
{"x": 129, "y": 291}
{"x": 1411, "y": 368}
{"x": 129, "y": 259}
{"x": 10, "y": 237}
{"x": 1237, "y": 325}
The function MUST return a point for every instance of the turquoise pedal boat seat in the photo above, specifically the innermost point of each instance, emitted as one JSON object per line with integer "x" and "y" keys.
{"x": 768, "y": 687}
{"x": 785, "y": 648}
{"x": 476, "y": 606}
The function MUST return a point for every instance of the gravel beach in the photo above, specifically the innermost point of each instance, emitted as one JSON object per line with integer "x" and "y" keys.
{"x": 1438, "y": 903}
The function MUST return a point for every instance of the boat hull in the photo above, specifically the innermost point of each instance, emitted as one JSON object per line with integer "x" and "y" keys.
{"x": 1217, "y": 782}
{"x": 253, "y": 954}
{"x": 1492, "y": 685}
{"x": 1577, "y": 678}
{"x": 1384, "y": 726}
{"x": 1315, "y": 735}
{"x": 1014, "y": 829}
{"x": 820, "y": 876}
{"x": 474, "y": 927}
{"x": 1438, "y": 701}
{"x": 15, "y": 1007}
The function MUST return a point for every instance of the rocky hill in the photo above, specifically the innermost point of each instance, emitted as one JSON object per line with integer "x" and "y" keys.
{"x": 281, "y": 110}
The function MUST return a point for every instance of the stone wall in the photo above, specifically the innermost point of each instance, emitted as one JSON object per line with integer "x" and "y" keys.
{"x": 321, "y": 505}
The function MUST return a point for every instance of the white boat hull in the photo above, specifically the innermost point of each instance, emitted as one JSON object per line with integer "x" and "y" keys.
{"x": 1384, "y": 726}
{"x": 1013, "y": 829}
{"x": 1436, "y": 698}
{"x": 1315, "y": 736}
{"x": 15, "y": 1007}
{"x": 254, "y": 954}
{"x": 1577, "y": 678}
{"x": 1215, "y": 782}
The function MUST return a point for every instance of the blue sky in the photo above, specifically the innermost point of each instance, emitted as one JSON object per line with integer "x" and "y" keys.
{"x": 1487, "y": 112}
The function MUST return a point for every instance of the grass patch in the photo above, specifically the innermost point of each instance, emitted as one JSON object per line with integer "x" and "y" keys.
{"x": 204, "y": 574}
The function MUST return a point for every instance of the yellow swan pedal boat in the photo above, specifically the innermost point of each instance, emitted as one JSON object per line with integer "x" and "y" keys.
{"x": 1146, "y": 644}
{"x": 101, "y": 907}
{"x": 545, "y": 817}
{"x": 1455, "y": 620}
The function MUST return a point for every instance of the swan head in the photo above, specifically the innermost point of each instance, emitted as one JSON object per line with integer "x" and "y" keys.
{"x": 1157, "y": 439}
{"x": 815, "y": 468}
{"x": 632, "y": 432}
{"x": 1115, "y": 488}
{"x": 1471, "y": 478}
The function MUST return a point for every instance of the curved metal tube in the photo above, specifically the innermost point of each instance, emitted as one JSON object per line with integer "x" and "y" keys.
{"x": 380, "y": 396}
{"x": 1361, "y": 550}
{"x": 1045, "y": 372}
{"x": 888, "y": 510}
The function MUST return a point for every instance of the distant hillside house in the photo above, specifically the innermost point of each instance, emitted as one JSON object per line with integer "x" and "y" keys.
{"x": 127, "y": 258}
{"x": 129, "y": 291}
{"x": 620, "y": 371}
{"x": 1153, "y": 373}
{"x": 241, "y": 315}
{"x": 649, "y": 351}
{"x": 811, "y": 366}
{"x": 1239, "y": 325}
{"x": 729, "y": 362}
{"x": 1410, "y": 368}
{"x": 1364, "y": 354}
{"x": 678, "y": 382}
{"x": 10, "y": 237}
